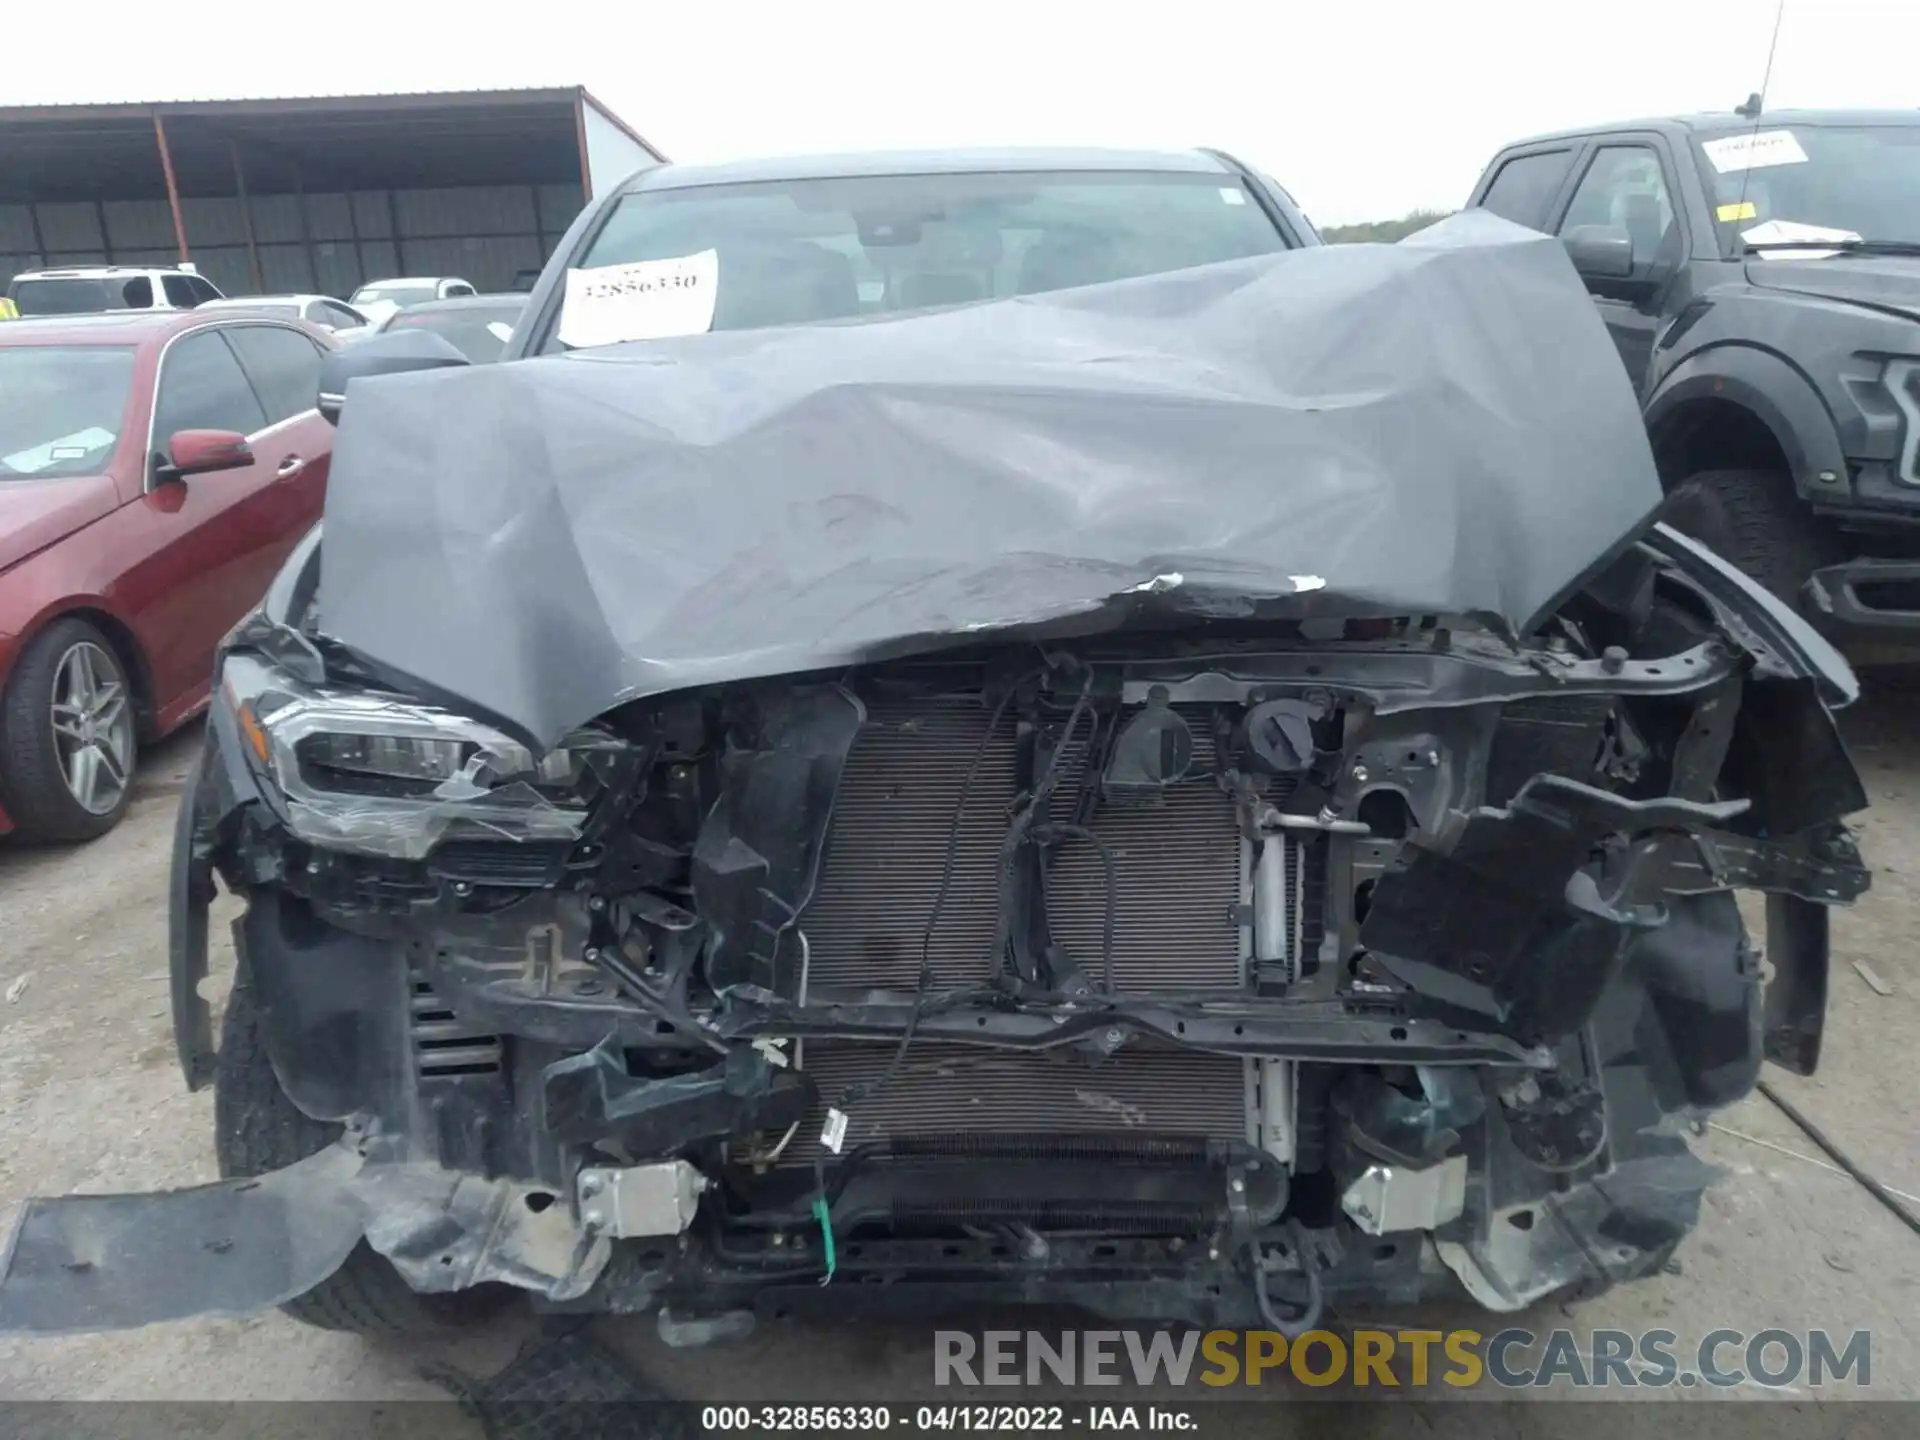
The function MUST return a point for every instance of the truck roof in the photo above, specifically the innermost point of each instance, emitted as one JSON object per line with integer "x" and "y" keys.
{"x": 1727, "y": 122}
{"x": 924, "y": 162}
{"x": 93, "y": 272}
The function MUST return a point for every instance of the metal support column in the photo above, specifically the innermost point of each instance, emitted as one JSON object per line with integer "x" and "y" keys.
{"x": 539, "y": 226}
{"x": 246, "y": 218}
{"x": 306, "y": 228}
{"x": 173, "y": 190}
{"x": 393, "y": 227}
{"x": 580, "y": 136}
{"x": 360, "y": 276}
{"x": 41, "y": 259}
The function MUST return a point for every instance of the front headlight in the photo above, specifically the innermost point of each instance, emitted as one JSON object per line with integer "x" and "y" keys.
{"x": 381, "y": 775}
{"x": 409, "y": 761}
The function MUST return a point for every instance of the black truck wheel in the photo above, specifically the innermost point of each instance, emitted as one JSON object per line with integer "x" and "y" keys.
{"x": 257, "y": 1129}
{"x": 67, "y": 735}
{"x": 1755, "y": 519}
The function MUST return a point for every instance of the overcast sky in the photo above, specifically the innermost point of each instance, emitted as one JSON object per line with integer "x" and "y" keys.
{"x": 1364, "y": 109}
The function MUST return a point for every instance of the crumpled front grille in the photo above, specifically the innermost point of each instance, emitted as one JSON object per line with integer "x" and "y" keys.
{"x": 945, "y": 1089}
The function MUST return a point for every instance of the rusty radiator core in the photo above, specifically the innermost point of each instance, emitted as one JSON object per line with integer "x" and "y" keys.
{"x": 1176, "y": 926}
{"x": 1177, "y": 865}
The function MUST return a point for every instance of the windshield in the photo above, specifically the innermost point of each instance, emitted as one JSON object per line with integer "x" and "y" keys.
{"x": 803, "y": 251}
{"x": 479, "y": 332}
{"x": 81, "y": 296}
{"x": 408, "y": 292}
{"x": 1815, "y": 182}
{"x": 61, "y": 407}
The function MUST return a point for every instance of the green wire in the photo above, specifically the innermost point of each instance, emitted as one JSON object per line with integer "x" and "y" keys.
{"x": 825, "y": 1217}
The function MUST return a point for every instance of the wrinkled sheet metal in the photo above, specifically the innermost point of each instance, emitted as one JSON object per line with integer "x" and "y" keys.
{"x": 1439, "y": 426}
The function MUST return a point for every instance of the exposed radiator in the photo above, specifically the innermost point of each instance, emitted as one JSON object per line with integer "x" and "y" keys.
{"x": 945, "y": 1089}
{"x": 1178, "y": 865}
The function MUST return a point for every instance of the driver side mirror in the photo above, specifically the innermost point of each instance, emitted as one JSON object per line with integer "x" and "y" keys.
{"x": 1600, "y": 252}
{"x": 395, "y": 352}
{"x": 201, "y": 452}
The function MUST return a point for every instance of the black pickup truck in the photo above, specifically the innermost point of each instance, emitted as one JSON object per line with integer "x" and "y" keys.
{"x": 1761, "y": 277}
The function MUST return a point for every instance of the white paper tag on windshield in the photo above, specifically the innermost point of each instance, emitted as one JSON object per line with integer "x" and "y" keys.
{"x": 1790, "y": 233}
{"x": 648, "y": 300}
{"x": 1733, "y": 153}
{"x": 500, "y": 330}
{"x": 834, "y": 1133}
{"x": 67, "y": 447}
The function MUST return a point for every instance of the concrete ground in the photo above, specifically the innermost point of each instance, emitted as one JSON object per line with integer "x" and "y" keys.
{"x": 91, "y": 1099}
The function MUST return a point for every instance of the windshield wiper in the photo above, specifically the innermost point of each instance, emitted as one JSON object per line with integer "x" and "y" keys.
{"x": 1848, "y": 247}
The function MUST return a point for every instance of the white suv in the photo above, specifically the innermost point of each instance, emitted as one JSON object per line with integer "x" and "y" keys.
{"x": 88, "y": 289}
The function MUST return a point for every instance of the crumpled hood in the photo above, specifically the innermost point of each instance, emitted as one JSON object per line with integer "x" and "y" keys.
{"x": 36, "y": 513}
{"x": 1889, "y": 283}
{"x": 1440, "y": 426}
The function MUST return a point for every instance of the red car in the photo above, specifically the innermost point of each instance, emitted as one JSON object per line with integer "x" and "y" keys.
{"x": 155, "y": 469}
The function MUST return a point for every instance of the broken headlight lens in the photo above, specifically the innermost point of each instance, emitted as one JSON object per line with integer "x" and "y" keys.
{"x": 383, "y": 764}
{"x": 382, "y": 775}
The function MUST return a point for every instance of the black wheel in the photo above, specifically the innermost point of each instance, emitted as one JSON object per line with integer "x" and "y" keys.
{"x": 66, "y": 736}
{"x": 257, "y": 1129}
{"x": 1755, "y": 519}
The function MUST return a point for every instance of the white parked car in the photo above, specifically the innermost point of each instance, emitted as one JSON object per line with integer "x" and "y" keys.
{"x": 321, "y": 310}
{"x": 90, "y": 289}
{"x": 377, "y": 299}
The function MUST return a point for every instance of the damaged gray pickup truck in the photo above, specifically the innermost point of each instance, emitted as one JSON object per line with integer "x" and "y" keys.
{"x": 1202, "y": 796}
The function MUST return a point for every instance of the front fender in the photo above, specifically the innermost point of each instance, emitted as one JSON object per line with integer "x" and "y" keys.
{"x": 219, "y": 785}
{"x": 1783, "y": 399}
{"x": 1783, "y": 645}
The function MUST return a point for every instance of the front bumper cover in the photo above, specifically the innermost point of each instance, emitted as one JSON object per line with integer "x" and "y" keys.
{"x": 1837, "y": 595}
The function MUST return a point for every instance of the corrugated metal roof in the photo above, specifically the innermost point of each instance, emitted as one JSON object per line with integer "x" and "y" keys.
{"x": 555, "y": 91}
{"x": 70, "y": 111}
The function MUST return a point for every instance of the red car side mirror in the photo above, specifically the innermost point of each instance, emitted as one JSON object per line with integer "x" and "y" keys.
{"x": 201, "y": 452}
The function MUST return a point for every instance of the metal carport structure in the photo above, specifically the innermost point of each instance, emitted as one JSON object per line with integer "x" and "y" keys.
{"x": 317, "y": 194}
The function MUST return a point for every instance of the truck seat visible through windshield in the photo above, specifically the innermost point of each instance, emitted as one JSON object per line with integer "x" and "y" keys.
{"x": 788, "y": 285}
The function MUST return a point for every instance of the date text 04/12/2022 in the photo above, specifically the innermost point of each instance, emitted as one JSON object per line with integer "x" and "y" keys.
{"x": 981, "y": 1419}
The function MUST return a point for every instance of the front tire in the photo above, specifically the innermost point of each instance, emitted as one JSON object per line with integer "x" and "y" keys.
{"x": 257, "y": 1129}
{"x": 1757, "y": 520}
{"x": 67, "y": 740}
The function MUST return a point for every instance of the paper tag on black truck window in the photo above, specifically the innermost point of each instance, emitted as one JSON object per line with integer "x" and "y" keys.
{"x": 647, "y": 300}
{"x": 1756, "y": 151}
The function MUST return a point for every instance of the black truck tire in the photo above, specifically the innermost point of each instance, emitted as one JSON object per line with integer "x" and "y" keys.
{"x": 1755, "y": 519}
{"x": 38, "y": 797}
{"x": 257, "y": 1129}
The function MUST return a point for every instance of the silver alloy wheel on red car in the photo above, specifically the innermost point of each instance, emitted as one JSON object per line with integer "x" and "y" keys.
{"x": 92, "y": 727}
